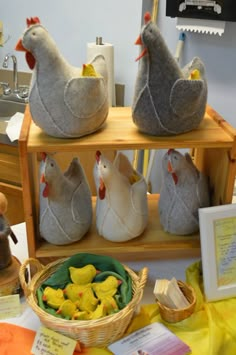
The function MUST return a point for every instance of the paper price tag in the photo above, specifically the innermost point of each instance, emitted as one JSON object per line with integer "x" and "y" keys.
{"x": 10, "y": 306}
{"x": 48, "y": 342}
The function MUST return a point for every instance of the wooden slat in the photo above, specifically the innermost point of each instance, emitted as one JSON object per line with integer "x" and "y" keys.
{"x": 10, "y": 169}
{"x": 26, "y": 184}
{"x": 119, "y": 132}
{"x": 226, "y": 127}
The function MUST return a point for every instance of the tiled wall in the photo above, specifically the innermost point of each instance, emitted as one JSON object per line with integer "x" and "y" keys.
{"x": 7, "y": 76}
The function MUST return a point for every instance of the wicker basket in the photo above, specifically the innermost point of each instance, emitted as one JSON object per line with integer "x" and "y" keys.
{"x": 176, "y": 315}
{"x": 99, "y": 332}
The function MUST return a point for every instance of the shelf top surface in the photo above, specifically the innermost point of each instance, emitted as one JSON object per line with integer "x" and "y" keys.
{"x": 119, "y": 132}
{"x": 152, "y": 244}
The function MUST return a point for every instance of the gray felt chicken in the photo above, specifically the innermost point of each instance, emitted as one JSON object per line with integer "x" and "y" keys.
{"x": 64, "y": 101}
{"x": 183, "y": 192}
{"x": 65, "y": 202}
{"x": 167, "y": 100}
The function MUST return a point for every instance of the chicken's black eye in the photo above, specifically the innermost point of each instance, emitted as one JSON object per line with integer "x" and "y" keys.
{"x": 104, "y": 166}
{"x": 33, "y": 33}
{"x": 52, "y": 165}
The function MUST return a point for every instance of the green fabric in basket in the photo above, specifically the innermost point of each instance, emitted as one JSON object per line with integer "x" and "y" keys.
{"x": 105, "y": 264}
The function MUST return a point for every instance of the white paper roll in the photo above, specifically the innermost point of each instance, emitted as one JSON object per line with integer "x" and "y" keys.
{"x": 107, "y": 50}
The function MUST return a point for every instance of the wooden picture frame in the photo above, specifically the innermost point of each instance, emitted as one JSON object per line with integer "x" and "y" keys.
{"x": 218, "y": 250}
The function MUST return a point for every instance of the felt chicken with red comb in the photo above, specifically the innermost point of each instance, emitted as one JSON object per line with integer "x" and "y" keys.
{"x": 184, "y": 190}
{"x": 121, "y": 205}
{"x": 165, "y": 101}
{"x": 65, "y": 202}
{"x": 63, "y": 101}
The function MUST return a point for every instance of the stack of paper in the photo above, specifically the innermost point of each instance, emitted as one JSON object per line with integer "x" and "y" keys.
{"x": 169, "y": 294}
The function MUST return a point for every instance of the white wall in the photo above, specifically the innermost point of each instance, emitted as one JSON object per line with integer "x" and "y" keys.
{"x": 74, "y": 23}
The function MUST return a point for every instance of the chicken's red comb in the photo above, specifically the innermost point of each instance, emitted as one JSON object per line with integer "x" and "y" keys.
{"x": 32, "y": 21}
{"x": 43, "y": 155}
{"x": 147, "y": 17}
{"x": 98, "y": 154}
{"x": 170, "y": 151}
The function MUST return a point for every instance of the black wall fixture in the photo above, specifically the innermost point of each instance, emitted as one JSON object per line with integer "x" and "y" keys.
{"x": 223, "y": 10}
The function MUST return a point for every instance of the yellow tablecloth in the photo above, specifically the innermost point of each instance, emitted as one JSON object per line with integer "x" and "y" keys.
{"x": 211, "y": 329}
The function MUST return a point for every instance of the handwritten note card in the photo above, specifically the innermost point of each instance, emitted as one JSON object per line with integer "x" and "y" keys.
{"x": 225, "y": 239}
{"x": 10, "y": 306}
{"x": 48, "y": 342}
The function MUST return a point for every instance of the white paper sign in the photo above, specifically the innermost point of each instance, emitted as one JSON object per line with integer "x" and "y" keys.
{"x": 10, "y": 306}
{"x": 48, "y": 342}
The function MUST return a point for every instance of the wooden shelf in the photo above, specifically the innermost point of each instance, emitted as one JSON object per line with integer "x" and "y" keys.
{"x": 119, "y": 132}
{"x": 213, "y": 146}
{"x": 154, "y": 242}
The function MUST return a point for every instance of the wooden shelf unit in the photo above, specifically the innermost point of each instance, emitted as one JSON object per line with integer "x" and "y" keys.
{"x": 213, "y": 146}
{"x": 10, "y": 182}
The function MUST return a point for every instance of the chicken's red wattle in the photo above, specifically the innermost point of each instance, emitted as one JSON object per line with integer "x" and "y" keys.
{"x": 30, "y": 60}
{"x": 46, "y": 190}
{"x": 144, "y": 51}
{"x": 142, "y": 54}
{"x": 102, "y": 190}
{"x": 28, "y": 55}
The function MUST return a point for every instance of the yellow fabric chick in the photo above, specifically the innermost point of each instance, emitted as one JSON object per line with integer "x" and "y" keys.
{"x": 108, "y": 287}
{"x": 81, "y": 315}
{"x": 67, "y": 309}
{"x": 195, "y": 75}
{"x": 88, "y": 70}
{"x": 88, "y": 302}
{"x": 99, "y": 312}
{"x": 74, "y": 292}
{"x": 83, "y": 275}
{"x": 54, "y": 298}
{"x": 110, "y": 305}
{"x": 134, "y": 178}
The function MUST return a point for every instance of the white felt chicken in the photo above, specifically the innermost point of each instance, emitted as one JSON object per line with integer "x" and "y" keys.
{"x": 166, "y": 100}
{"x": 121, "y": 205}
{"x": 65, "y": 202}
{"x": 63, "y": 102}
{"x": 183, "y": 192}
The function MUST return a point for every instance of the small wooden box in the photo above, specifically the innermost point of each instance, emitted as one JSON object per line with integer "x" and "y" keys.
{"x": 214, "y": 152}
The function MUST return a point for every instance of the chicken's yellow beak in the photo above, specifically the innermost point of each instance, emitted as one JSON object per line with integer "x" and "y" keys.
{"x": 42, "y": 179}
{"x": 169, "y": 167}
{"x": 19, "y": 46}
{"x": 138, "y": 40}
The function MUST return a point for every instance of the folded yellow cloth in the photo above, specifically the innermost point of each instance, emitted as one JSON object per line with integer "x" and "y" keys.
{"x": 210, "y": 330}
